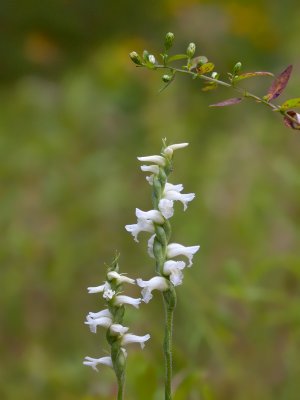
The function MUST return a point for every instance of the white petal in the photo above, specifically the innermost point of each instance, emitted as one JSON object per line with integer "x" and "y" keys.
{"x": 154, "y": 169}
{"x": 108, "y": 294}
{"x": 94, "y": 322}
{"x": 183, "y": 198}
{"x": 119, "y": 278}
{"x": 118, "y": 329}
{"x": 97, "y": 289}
{"x": 130, "y": 338}
{"x": 169, "y": 150}
{"x": 93, "y": 362}
{"x": 152, "y": 215}
{"x": 159, "y": 160}
{"x": 176, "y": 249}
{"x": 174, "y": 270}
{"x": 120, "y": 299}
{"x": 103, "y": 313}
{"x": 157, "y": 282}
{"x": 143, "y": 225}
{"x": 170, "y": 186}
{"x": 166, "y": 207}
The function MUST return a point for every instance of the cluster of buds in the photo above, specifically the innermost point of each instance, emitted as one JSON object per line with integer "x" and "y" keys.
{"x": 111, "y": 318}
{"x": 156, "y": 221}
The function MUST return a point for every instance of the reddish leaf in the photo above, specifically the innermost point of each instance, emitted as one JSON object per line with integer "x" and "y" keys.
{"x": 247, "y": 75}
{"x": 292, "y": 124}
{"x": 228, "y": 102}
{"x": 279, "y": 84}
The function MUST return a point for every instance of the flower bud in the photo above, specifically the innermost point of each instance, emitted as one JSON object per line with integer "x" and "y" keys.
{"x": 237, "y": 68}
{"x": 166, "y": 78}
{"x": 151, "y": 59}
{"x": 191, "y": 50}
{"x": 135, "y": 58}
{"x": 169, "y": 39}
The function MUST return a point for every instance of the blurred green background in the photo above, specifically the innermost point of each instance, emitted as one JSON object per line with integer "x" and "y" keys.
{"x": 75, "y": 113}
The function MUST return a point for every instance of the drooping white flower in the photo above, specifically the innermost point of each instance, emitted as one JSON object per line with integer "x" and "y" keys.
{"x": 120, "y": 278}
{"x": 152, "y": 215}
{"x": 93, "y": 362}
{"x": 105, "y": 322}
{"x": 172, "y": 192}
{"x": 174, "y": 270}
{"x": 118, "y": 329}
{"x": 157, "y": 282}
{"x": 130, "y": 338}
{"x": 143, "y": 225}
{"x": 99, "y": 314}
{"x": 176, "y": 249}
{"x": 166, "y": 207}
{"x": 99, "y": 289}
{"x": 121, "y": 299}
{"x": 150, "y": 168}
{"x": 168, "y": 151}
{"x": 159, "y": 160}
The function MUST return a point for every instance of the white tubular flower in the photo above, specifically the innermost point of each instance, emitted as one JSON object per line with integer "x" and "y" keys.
{"x": 150, "y": 168}
{"x": 166, "y": 207}
{"x": 130, "y": 338}
{"x": 94, "y": 322}
{"x": 118, "y": 329}
{"x": 93, "y": 362}
{"x": 119, "y": 278}
{"x": 174, "y": 270}
{"x": 159, "y": 160}
{"x": 169, "y": 149}
{"x": 157, "y": 282}
{"x": 150, "y": 246}
{"x": 172, "y": 192}
{"x": 108, "y": 294}
{"x": 143, "y": 225}
{"x": 99, "y": 289}
{"x": 175, "y": 249}
{"x": 120, "y": 299}
{"x": 99, "y": 314}
{"x": 152, "y": 215}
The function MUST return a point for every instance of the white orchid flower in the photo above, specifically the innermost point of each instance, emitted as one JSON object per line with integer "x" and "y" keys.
{"x": 121, "y": 299}
{"x": 176, "y": 249}
{"x": 130, "y": 338}
{"x": 159, "y": 160}
{"x": 174, "y": 270}
{"x": 105, "y": 322}
{"x": 93, "y": 362}
{"x": 157, "y": 282}
{"x": 120, "y": 278}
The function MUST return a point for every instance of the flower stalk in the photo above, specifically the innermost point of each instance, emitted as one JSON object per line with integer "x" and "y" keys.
{"x": 156, "y": 221}
{"x": 111, "y": 319}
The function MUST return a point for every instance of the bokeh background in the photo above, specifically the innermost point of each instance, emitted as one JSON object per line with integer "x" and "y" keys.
{"x": 75, "y": 113}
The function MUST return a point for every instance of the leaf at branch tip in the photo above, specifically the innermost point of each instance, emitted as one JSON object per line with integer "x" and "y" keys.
{"x": 177, "y": 57}
{"x": 228, "y": 102}
{"x": 291, "y": 103}
{"x": 279, "y": 84}
{"x": 205, "y": 68}
{"x": 247, "y": 75}
{"x": 292, "y": 124}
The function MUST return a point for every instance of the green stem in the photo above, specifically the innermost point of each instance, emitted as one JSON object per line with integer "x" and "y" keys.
{"x": 168, "y": 349}
{"x": 238, "y": 89}
{"x": 120, "y": 389}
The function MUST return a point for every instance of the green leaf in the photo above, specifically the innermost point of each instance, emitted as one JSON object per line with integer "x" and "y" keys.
{"x": 291, "y": 103}
{"x": 247, "y": 75}
{"x": 205, "y": 68}
{"x": 228, "y": 102}
{"x": 279, "y": 84}
{"x": 177, "y": 57}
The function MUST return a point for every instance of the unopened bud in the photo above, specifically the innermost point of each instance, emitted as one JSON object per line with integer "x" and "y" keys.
{"x": 191, "y": 50}
{"x": 237, "y": 68}
{"x": 151, "y": 59}
{"x": 169, "y": 39}
{"x": 214, "y": 75}
{"x": 166, "y": 78}
{"x": 135, "y": 58}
